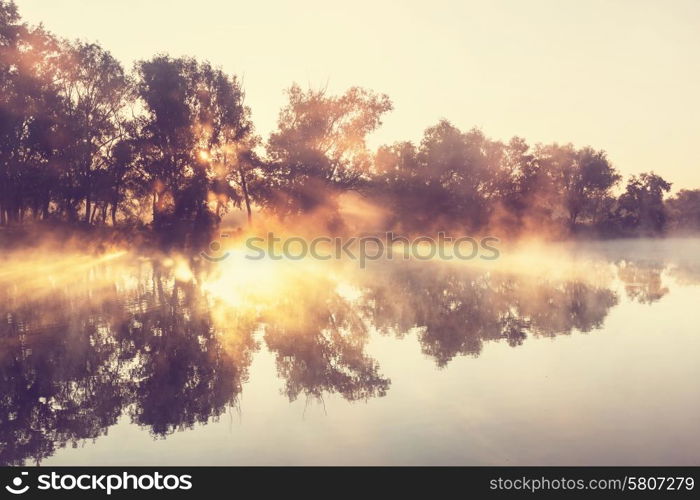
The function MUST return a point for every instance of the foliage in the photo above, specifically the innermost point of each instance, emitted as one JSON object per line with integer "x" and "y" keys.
{"x": 172, "y": 144}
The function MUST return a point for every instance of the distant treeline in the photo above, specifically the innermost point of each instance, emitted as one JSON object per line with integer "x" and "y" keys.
{"x": 170, "y": 146}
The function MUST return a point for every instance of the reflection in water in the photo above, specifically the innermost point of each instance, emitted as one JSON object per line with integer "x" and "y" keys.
{"x": 642, "y": 281}
{"x": 319, "y": 347}
{"x": 455, "y": 313}
{"x": 83, "y": 343}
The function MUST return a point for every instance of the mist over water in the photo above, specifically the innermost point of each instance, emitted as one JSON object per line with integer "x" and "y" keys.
{"x": 186, "y": 279}
{"x": 552, "y": 354}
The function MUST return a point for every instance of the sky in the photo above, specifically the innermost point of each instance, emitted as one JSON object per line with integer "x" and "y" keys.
{"x": 623, "y": 76}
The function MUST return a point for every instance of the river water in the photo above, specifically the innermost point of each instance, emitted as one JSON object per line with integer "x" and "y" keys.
{"x": 559, "y": 355}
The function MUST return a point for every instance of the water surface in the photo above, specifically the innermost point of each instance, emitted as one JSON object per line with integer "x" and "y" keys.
{"x": 583, "y": 354}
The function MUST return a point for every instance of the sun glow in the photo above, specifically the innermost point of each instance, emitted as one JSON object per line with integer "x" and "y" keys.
{"x": 240, "y": 282}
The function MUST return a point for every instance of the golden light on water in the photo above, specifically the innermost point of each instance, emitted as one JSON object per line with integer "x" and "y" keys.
{"x": 241, "y": 282}
{"x": 288, "y": 290}
{"x": 340, "y": 216}
{"x": 328, "y": 331}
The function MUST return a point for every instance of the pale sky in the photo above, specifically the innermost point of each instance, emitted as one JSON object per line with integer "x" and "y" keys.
{"x": 623, "y": 76}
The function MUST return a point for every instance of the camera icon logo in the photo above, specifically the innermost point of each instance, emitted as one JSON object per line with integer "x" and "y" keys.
{"x": 215, "y": 247}
{"x": 16, "y": 488}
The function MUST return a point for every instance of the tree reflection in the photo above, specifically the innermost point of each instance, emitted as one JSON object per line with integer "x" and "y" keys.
{"x": 319, "y": 345}
{"x": 70, "y": 372}
{"x": 60, "y": 377}
{"x": 456, "y": 313}
{"x": 184, "y": 374}
{"x": 642, "y": 280}
{"x": 166, "y": 354}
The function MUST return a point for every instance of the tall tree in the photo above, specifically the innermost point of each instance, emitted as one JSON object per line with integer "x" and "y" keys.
{"x": 29, "y": 113}
{"x": 684, "y": 210}
{"x": 641, "y": 206}
{"x": 191, "y": 134}
{"x": 448, "y": 181}
{"x": 319, "y": 146}
{"x": 96, "y": 92}
{"x": 582, "y": 178}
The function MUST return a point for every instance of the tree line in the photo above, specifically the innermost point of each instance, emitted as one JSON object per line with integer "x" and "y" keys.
{"x": 171, "y": 146}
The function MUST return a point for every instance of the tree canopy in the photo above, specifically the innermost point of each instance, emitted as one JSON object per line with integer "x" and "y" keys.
{"x": 171, "y": 145}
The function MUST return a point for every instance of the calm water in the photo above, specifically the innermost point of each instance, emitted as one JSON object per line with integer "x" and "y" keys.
{"x": 585, "y": 355}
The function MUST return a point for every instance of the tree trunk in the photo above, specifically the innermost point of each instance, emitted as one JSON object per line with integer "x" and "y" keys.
{"x": 88, "y": 211}
{"x": 573, "y": 216}
{"x": 92, "y": 216}
{"x": 155, "y": 206}
{"x": 244, "y": 187}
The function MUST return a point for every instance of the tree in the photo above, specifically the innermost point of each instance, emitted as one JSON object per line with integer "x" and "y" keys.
{"x": 526, "y": 190}
{"x": 95, "y": 92}
{"x": 582, "y": 178}
{"x": 451, "y": 180}
{"x": 594, "y": 178}
{"x": 684, "y": 210}
{"x": 461, "y": 168}
{"x": 190, "y": 136}
{"x": 319, "y": 146}
{"x": 399, "y": 184}
{"x": 29, "y": 114}
{"x": 125, "y": 181}
{"x": 641, "y": 206}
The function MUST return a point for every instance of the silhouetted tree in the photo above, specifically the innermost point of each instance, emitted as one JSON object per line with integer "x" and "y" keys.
{"x": 94, "y": 91}
{"x": 30, "y": 109}
{"x": 194, "y": 117}
{"x": 319, "y": 146}
{"x": 581, "y": 179}
{"x": 641, "y": 206}
{"x": 448, "y": 181}
{"x": 82, "y": 140}
{"x": 526, "y": 190}
{"x": 684, "y": 210}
